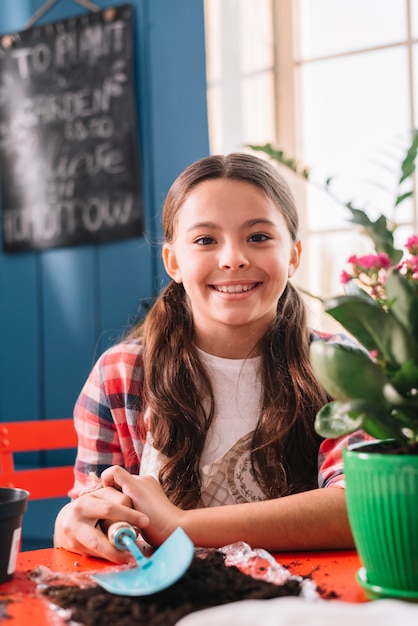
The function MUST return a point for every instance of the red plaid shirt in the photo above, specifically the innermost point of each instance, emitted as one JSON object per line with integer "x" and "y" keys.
{"x": 109, "y": 419}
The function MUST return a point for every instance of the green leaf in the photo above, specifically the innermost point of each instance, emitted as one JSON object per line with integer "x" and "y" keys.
{"x": 406, "y": 379}
{"x": 408, "y": 164}
{"x": 334, "y": 420}
{"x": 408, "y": 419}
{"x": 402, "y": 197}
{"x": 374, "y": 328}
{"x": 276, "y": 155}
{"x": 348, "y": 372}
{"x": 337, "y": 419}
{"x": 408, "y": 168}
{"x": 280, "y": 157}
{"x": 404, "y": 301}
{"x": 405, "y": 411}
{"x": 378, "y": 231}
{"x": 382, "y": 424}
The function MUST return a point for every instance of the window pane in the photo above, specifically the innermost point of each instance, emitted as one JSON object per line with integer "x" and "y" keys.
{"x": 333, "y": 26}
{"x": 240, "y": 72}
{"x": 356, "y": 129}
{"x": 328, "y": 255}
{"x": 324, "y": 257}
{"x": 258, "y": 108}
{"x": 414, "y": 17}
{"x": 257, "y": 44}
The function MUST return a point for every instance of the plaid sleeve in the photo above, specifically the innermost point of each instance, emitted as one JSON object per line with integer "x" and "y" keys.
{"x": 330, "y": 460}
{"x": 108, "y": 416}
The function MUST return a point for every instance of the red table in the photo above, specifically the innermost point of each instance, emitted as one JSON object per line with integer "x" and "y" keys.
{"x": 333, "y": 572}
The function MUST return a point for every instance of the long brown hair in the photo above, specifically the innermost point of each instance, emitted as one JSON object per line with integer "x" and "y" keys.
{"x": 285, "y": 445}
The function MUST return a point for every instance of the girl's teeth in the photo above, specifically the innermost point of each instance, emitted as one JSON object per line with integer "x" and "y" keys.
{"x": 234, "y": 288}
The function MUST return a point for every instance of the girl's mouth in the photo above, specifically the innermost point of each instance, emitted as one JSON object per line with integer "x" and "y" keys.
{"x": 242, "y": 288}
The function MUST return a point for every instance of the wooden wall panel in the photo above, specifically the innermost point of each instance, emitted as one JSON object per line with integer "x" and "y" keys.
{"x": 70, "y": 325}
{"x": 124, "y": 281}
{"x": 20, "y": 337}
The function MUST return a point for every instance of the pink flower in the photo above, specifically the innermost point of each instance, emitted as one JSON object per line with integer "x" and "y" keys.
{"x": 410, "y": 266}
{"x": 345, "y": 277}
{"x": 371, "y": 262}
{"x": 413, "y": 264}
{"x": 412, "y": 245}
{"x": 385, "y": 261}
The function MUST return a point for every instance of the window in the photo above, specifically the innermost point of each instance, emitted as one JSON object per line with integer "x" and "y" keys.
{"x": 240, "y": 73}
{"x": 333, "y": 84}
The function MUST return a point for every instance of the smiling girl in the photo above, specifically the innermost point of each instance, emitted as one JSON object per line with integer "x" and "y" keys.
{"x": 204, "y": 416}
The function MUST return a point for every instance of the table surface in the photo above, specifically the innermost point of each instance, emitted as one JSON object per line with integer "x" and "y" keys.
{"x": 333, "y": 572}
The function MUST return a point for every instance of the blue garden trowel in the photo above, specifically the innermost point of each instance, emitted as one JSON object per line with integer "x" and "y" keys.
{"x": 152, "y": 574}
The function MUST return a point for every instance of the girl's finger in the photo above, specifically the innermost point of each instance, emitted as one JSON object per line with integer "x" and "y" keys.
{"x": 115, "y": 477}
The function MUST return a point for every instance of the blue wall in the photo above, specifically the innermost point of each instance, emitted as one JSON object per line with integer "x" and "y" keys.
{"x": 60, "y": 308}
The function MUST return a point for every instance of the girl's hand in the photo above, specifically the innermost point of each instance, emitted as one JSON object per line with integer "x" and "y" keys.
{"x": 77, "y": 526}
{"x": 148, "y": 497}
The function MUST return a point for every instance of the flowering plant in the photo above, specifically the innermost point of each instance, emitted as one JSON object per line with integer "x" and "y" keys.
{"x": 373, "y": 384}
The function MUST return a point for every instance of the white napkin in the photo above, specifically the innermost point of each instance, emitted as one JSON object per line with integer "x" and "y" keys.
{"x": 291, "y": 611}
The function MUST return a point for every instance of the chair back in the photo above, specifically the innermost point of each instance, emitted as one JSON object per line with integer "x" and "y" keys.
{"x": 36, "y": 436}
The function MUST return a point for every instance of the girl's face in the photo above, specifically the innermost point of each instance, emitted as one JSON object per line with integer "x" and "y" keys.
{"x": 233, "y": 253}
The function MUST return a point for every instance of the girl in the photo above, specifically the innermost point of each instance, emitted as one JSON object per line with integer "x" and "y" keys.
{"x": 204, "y": 416}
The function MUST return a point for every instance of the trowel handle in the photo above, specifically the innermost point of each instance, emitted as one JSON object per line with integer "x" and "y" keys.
{"x": 117, "y": 531}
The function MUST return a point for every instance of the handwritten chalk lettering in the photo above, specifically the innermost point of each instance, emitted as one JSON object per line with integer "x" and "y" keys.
{"x": 38, "y": 223}
{"x": 38, "y": 58}
{"x": 56, "y": 191}
{"x": 103, "y": 158}
{"x": 99, "y": 213}
{"x": 70, "y": 48}
{"x": 16, "y": 226}
{"x": 67, "y": 106}
{"x": 96, "y": 128}
{"x": 66, "y": 49}
{"x": 96, "y": 213}
{"x": 70, "y": 105}
{"x": 42, "y": 110}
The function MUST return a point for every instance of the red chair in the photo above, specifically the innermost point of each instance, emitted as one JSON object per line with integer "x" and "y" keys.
{"x": 35, "y": 436}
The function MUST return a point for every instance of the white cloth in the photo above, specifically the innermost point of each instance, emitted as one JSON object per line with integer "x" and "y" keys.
{"x": 291, "y": 611}
{"x": 226, "y": 472}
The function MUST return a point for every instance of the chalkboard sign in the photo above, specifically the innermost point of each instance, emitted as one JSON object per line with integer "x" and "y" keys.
{"x": 69, "y": 157}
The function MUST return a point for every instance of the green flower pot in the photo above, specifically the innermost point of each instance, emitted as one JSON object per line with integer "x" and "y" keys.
{"x": 382, "y": 503}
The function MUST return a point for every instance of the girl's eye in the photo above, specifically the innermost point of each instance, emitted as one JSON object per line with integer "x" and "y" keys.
{"x": 204, "y": 241}
{"x": 259, "y": 237}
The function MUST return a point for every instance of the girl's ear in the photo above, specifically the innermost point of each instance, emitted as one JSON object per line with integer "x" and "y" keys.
{"x": 294, "y": 258}
{"x": 170, "y": 263}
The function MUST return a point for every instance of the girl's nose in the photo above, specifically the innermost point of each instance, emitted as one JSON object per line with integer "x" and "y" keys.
{"x": 233, "y": 258}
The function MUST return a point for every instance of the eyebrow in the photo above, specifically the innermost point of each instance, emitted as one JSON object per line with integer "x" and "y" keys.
{"x": 248, "y": 224}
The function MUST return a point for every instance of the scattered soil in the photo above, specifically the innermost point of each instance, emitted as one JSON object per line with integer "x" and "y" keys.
{"x": 207, "y": 582}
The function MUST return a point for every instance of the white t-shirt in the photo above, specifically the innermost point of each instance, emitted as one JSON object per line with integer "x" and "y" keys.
{"x": 226, "y": 473}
